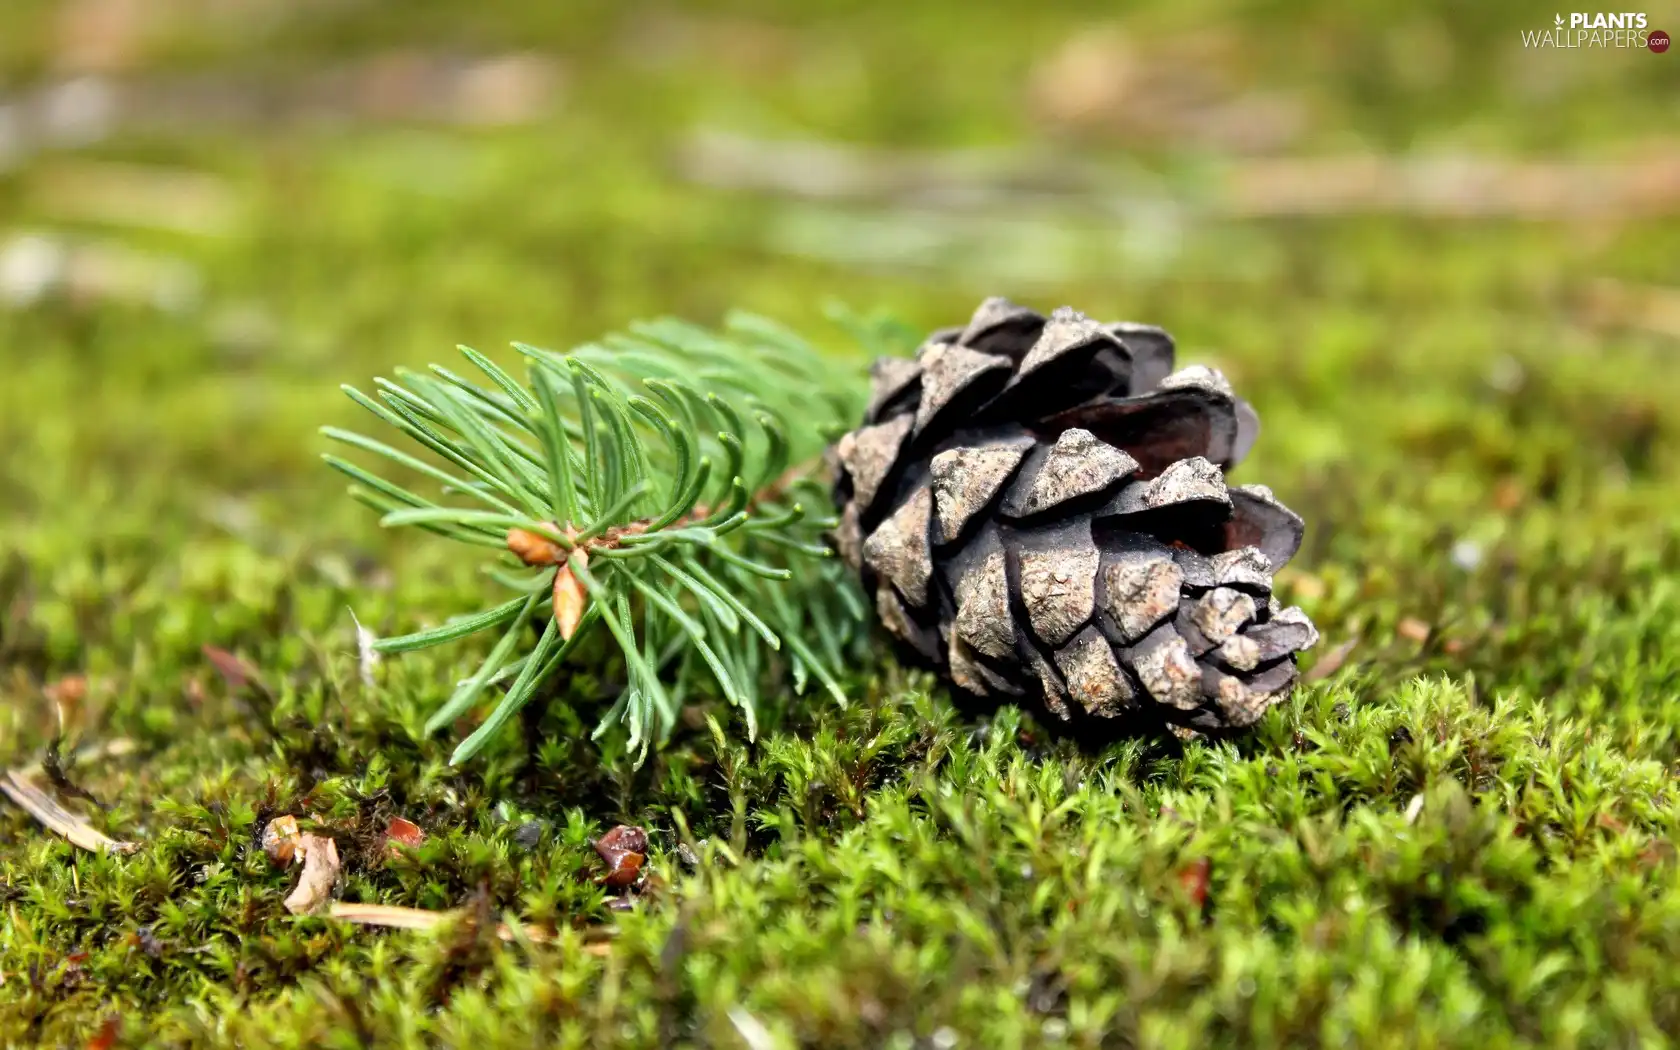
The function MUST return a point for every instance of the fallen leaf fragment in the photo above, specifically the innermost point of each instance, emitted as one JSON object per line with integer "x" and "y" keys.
{"x": 1446, "y": 185}
{"x": 1330, "y": 662}
{"x": 503, "y": 90}
{"x": 624, "y": 848}
{"x": 401, "y": 834}
{"x": 320, "y": 871}
{"x": 140, "y": 195}
{"x": 280, "y": 839}
{"x": 19, "y": 786}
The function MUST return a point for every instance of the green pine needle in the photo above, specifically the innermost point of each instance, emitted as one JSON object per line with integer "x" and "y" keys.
{"x": 666, "y": 461}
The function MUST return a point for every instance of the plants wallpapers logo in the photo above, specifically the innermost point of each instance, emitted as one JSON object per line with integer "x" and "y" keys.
{"x": 1600, "y": 29}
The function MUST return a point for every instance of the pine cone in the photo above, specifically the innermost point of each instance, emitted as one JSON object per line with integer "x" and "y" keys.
{"x": 1039, "y": 508}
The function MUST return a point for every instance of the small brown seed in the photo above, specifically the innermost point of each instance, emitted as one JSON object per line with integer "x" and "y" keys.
{"x": 280, "y": 839}
{"x": 624, "y": 848}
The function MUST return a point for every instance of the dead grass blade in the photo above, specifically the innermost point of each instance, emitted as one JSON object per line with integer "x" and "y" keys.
{"x": 388, "y": 916}
{"x": 20, "y": 787}
{"x": 396, "y": 917}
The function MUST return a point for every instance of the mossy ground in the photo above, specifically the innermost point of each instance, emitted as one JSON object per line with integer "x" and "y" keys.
{"x": 1466, "y": 838}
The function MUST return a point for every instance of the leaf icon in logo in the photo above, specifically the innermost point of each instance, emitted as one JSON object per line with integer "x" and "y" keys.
{"x": 1557, "y": 19}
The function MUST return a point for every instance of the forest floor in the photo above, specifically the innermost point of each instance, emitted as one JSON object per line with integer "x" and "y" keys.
{"x": 1441, "y": 266}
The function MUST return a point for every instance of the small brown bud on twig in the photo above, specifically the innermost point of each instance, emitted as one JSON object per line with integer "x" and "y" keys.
{"x": 570, "y": 599}
{"x": 534, "y": 548}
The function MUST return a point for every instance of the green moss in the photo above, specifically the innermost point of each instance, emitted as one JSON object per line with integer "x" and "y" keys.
{"x": 1467, "y": 840}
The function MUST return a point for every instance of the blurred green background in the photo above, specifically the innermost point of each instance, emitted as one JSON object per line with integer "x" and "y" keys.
{"x": 1440, "y": 263}
{"x": 216, "y": 210}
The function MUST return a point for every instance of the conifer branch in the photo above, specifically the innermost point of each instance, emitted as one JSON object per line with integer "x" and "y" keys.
{"x": 661, "y": 485}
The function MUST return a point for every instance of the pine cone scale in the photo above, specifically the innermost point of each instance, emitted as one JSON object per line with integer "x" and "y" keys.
{"x": 966, "y": 479}
{"x": 1094, "y": 676}
{"x": 900, "y": 549}
{"x": 1058, "y": 574}
{"x": 1219, "y": 614}
{"x": 954, "y": 375}
{"x": 892, "y": 378}
{"x": 983, "y": 618}
{"x": 869, "y": 454}
{"x": 1076, "y": 465}
{"x": 1161, "y": 429}
{"x": 1140, "y": 589}
{"x": 1167, "y": 669}
{"x": 999, "y": 325}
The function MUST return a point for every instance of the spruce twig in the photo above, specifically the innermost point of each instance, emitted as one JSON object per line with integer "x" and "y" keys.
{"x": 658, "y": 485}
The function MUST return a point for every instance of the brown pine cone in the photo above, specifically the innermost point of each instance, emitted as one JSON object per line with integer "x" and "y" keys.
{"x": 1039, "y": 508}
